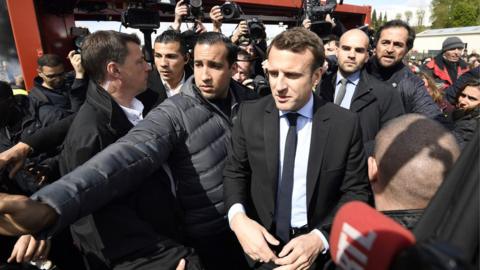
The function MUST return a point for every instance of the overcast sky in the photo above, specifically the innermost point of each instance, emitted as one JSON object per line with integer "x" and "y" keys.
{"x": 392, "y": 7}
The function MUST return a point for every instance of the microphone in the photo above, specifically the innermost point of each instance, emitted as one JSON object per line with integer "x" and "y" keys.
{"x": 364, "y": 239}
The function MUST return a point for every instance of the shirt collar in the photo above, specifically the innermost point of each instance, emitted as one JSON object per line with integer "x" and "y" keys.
{"x": 176, "y": 89}
{"x": 134, "y": 114}
{"x": 353, "y": 78}
{"x": 306, "y": 111}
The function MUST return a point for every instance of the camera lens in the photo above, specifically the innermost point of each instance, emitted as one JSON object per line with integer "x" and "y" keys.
{"x": 230, "y": 11}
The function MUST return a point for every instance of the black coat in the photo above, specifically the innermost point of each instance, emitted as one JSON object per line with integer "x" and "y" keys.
{"x": 374, "y": 101}
{"x": 53, "y": 105}
{"x": 23, "y": 122}
{"x": 144, "y": 232}
{"x": 337, "y": 171}
{"x": 414, "y": 94}
{"x": 464, "y": 125}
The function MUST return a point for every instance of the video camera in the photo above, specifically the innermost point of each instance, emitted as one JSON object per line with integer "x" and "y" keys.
{"x": 317, "y": 12}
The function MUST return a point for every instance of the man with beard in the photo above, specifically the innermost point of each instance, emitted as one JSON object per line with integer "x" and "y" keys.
{"x": 447, "y": 66}
{"x": 52, "y": 97}
{"x": 393, "y": 41}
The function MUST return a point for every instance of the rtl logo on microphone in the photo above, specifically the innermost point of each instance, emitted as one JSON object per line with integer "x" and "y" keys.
{"x": 364, "y": 239}
{"x": 353, "y": 248}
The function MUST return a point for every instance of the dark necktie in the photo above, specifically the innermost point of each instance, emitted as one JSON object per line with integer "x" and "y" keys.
{"x": 284, "y": 194}
{"x": 341, "y": 91}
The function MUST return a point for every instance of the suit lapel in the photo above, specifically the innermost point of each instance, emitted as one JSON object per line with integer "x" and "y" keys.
{"x": 320, "y": 129}
{"x": 271, "y": 137}
{"x": 362, "y": 95}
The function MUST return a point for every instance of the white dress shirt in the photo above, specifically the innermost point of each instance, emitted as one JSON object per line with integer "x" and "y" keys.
{"x": 134, "y": 113}
{"x": 352, "y": 83}
{"x": 299, "y": 193}
{"x": 172, "y": 92}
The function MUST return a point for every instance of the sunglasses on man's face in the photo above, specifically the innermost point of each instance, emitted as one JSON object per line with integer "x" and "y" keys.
{"x": 55, "y": 75}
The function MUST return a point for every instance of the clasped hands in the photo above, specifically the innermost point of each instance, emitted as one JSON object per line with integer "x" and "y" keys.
{"x": 299, "y": 253}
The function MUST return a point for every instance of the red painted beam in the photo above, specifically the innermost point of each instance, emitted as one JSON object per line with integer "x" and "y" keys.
{"x": 26, "y": 33}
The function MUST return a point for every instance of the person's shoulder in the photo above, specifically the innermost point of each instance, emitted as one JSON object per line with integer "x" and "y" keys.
{"x": 260, "y": 103}
{"x": 88, "y": 118}
{"x": 333, "y": 111}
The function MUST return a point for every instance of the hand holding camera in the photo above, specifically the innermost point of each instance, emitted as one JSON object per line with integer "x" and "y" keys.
{"x": 241, "y": 30}
{"x": 76, "y": 61}
{"x": 217, "y": 17}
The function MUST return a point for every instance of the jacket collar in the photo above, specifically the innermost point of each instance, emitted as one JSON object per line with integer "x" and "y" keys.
{"x": 238, "y": 94}
{"x": 101, "y": 100}
{"x": 374, "y": 68}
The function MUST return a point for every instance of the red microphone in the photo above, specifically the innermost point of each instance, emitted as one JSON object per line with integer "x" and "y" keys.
{"x": 363, "y": 238}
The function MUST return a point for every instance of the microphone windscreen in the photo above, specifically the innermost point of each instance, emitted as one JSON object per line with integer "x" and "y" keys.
{"x": 363, "y": 238}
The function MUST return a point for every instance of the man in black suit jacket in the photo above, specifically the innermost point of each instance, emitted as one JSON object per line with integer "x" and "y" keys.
{"x": 374, "y": 101}
{"x": 171, "y": 67}
{"x": 329, "y": 168}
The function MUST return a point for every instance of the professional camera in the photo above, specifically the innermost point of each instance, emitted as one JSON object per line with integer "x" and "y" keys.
{"x": 316, "y": 12}
{"x": 195, "y": 10}
{"x": 79, "y": 34}
{"x": 230, "y": 10}
{"x": 256, "y": 30}
{"x": 140, "y": 18}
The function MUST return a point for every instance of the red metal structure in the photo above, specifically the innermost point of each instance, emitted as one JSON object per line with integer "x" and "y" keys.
{"x": 44, "y": 26}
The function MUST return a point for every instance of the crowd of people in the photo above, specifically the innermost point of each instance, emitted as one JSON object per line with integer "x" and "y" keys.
{"x": 226, "y": 153}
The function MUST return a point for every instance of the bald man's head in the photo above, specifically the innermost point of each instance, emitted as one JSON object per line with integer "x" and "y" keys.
{"x": 352, "y": 52}
{"x": 412, "y": 156}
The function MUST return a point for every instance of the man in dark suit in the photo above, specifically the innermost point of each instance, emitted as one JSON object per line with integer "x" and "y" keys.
{"x": 171, "y": 67}
{"x": 350, "y": 87}
{"x": 281, "y": 195}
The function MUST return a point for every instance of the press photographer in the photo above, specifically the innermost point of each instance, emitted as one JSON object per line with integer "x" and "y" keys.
{"x": 319, "y": 19}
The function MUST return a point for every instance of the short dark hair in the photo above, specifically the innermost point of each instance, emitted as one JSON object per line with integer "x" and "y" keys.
{"x": 331, "y": 38}
{"x": 299, "y": 39}
{"x": 169, "y": 36}
{"x": 49, "y": 60}
{"x": 244, "y": 55}
{"x": 101, "y": 47}
{"x": 474, "y": 82}
{"x": 397, "y": 23}
{"x": 210, "y": 38}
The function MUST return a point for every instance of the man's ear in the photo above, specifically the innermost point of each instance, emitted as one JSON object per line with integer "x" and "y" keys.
{"x": 372, "y": 170}
{"x": 234, "y": 68}
{"x": 186, "y": 57}
{"x": 112, "y": 69}
{"x": 367, "y": 58}
{"x": 317, "y": 75}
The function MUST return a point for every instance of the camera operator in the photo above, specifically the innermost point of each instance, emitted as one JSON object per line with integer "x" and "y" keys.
{"x": 182, "y": 11}
{"x": 337, "y": 28}
{"x": 217, "y": 17}
{"x": 250, "y": 36}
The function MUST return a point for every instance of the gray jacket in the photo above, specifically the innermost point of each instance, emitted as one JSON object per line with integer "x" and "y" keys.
{"x": 185, "y": 131}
